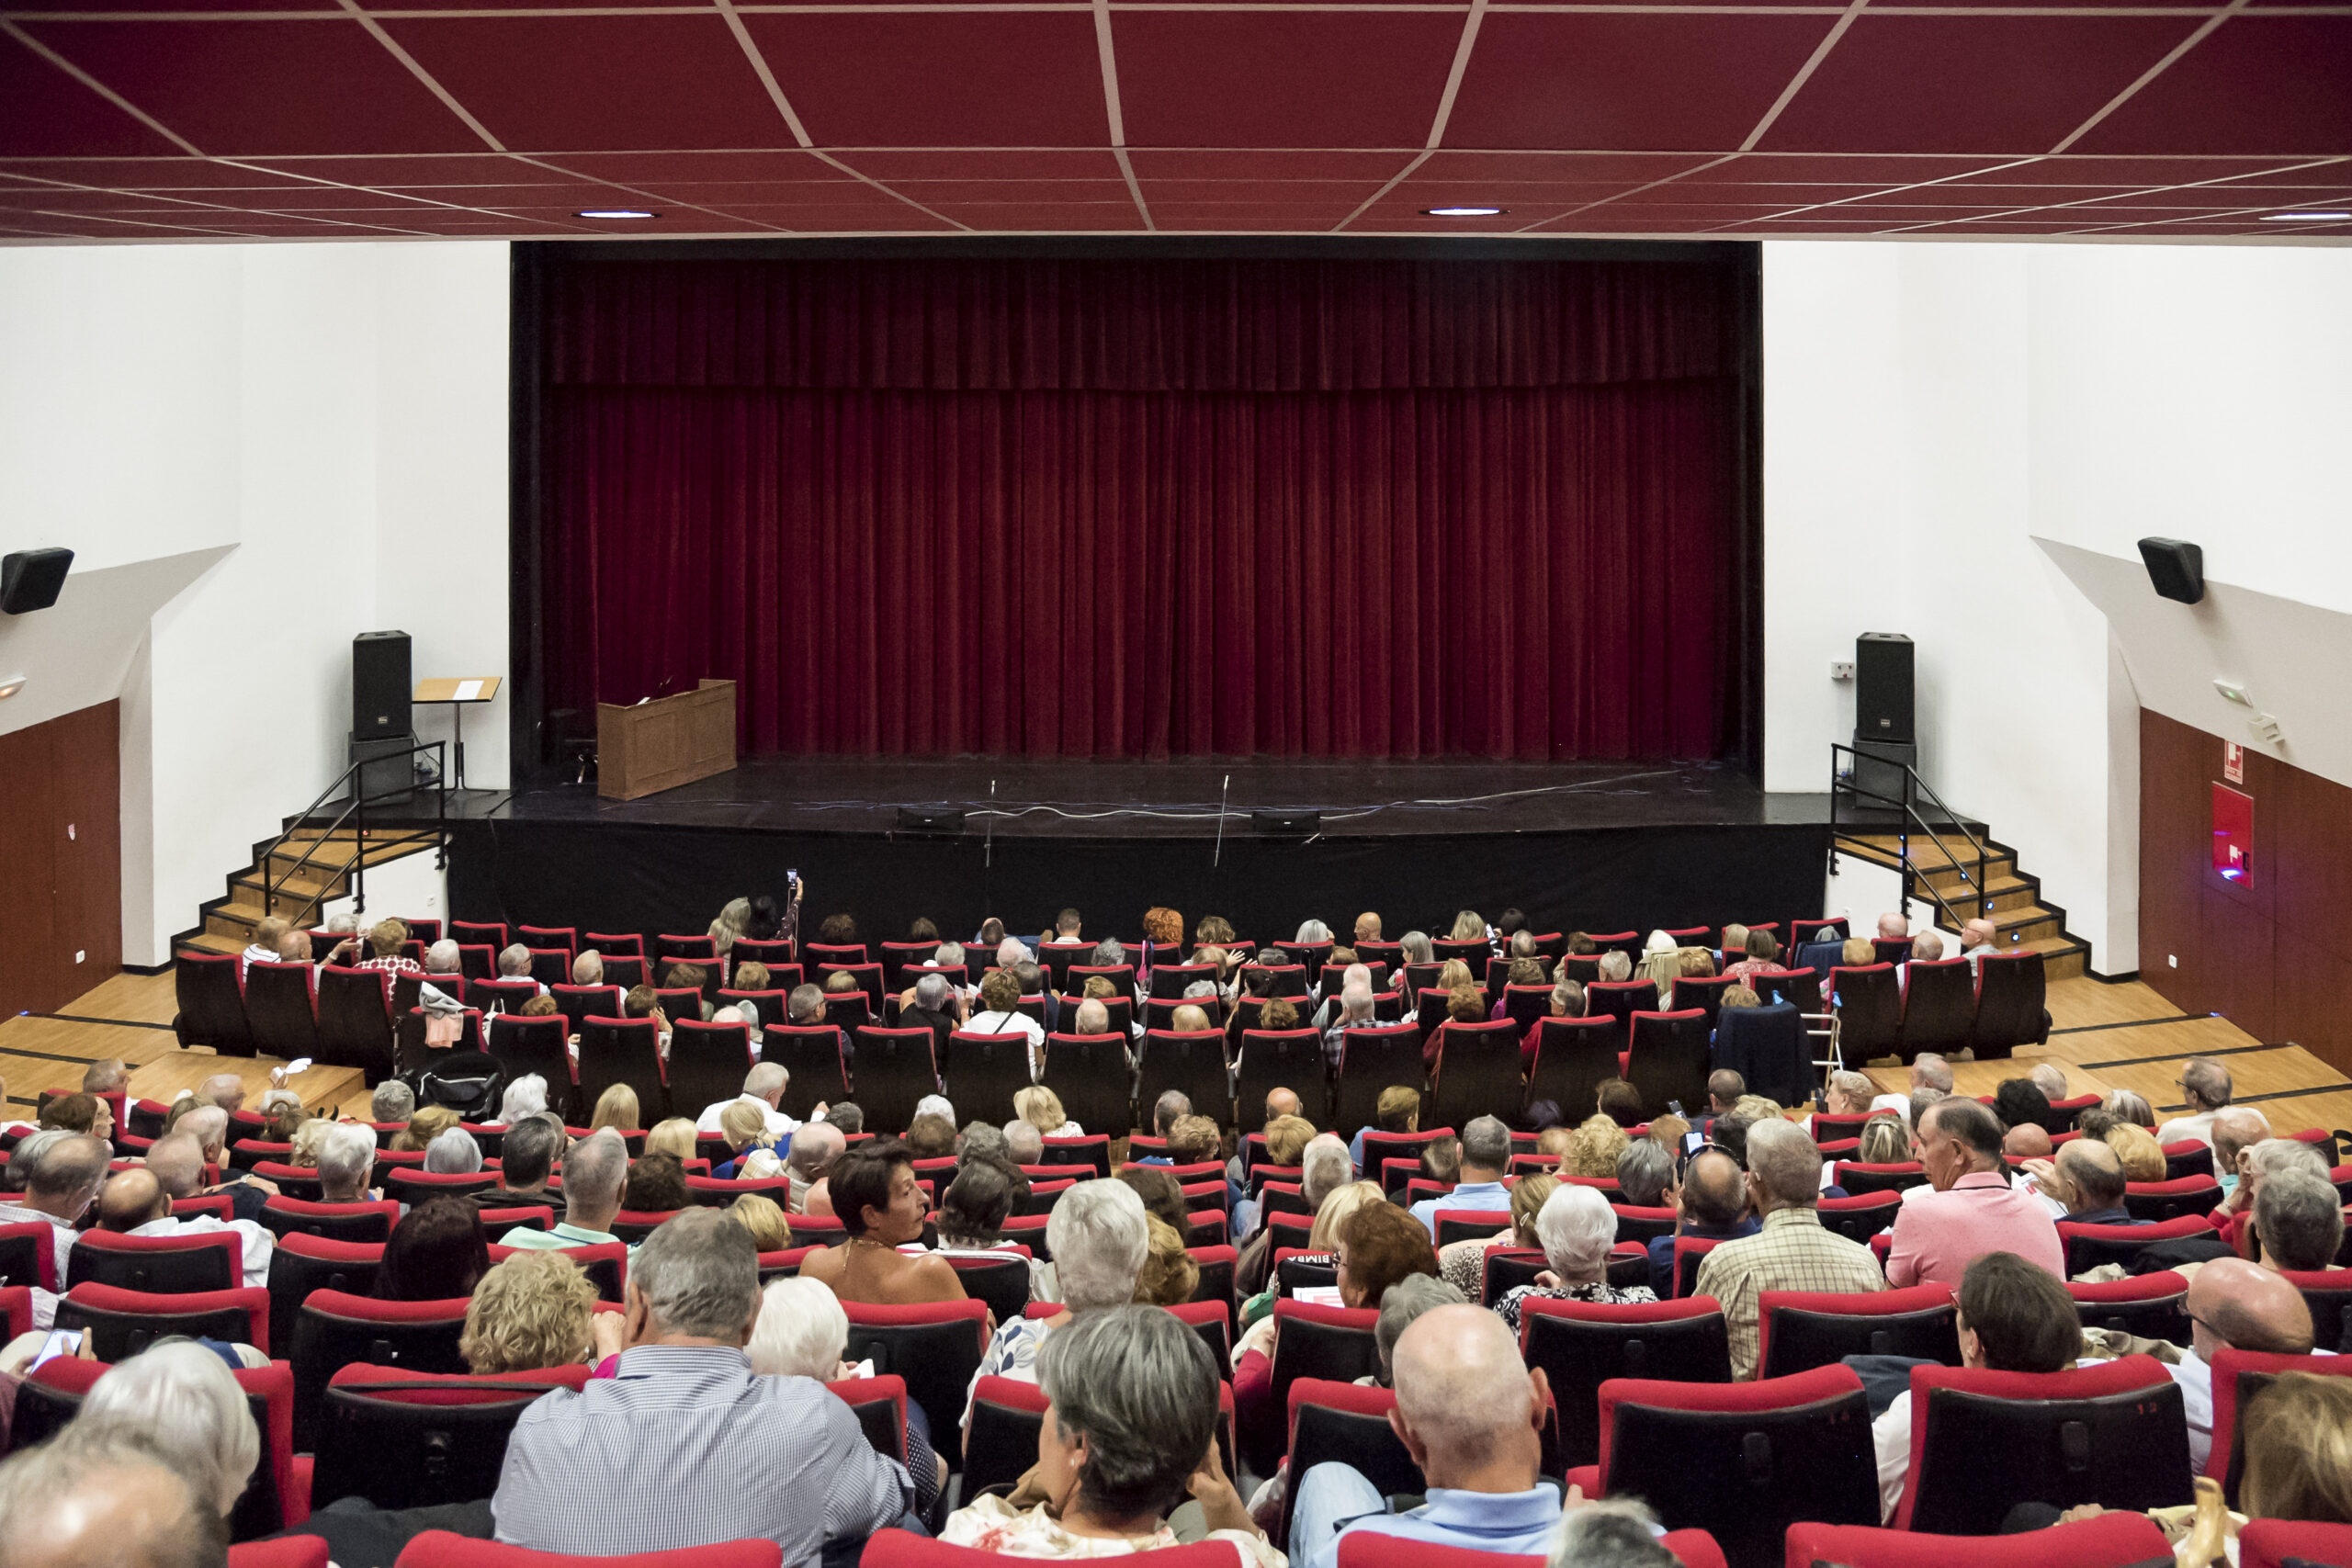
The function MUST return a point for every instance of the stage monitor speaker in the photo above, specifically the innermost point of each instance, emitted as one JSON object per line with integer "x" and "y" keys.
{"x": 938, "y": 822}
{"x": 380, "y": 686}
{"x": 2176, "y": 568}
{"x": 29, "y": 580}
{"x": 1883, "y": 688}
{"x": 387, "y": 763}
{"x": 1286, "y": 824}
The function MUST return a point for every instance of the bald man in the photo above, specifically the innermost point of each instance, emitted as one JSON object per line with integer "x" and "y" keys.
{"x": 59, "y": 1190}
{"x": 814, "y": 1148}
{"x": 99, "y": 1496}
{"x": 208, "y": 1125}
{"x": 1471, "y": 1414}
{"x": 1977, "y": 938}
{"x": 2086, "y": 1183}
{"x": 1893, "y": 927}
{"x": 1367, "y": 927}
{"x": 136, "y": 1203}
{"x": 2235, "y": 1128}
{"x": 226, "y": 1090}
{"x": 2233, "y": 1305}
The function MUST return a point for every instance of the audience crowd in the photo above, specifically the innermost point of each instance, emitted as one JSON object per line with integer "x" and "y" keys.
{"x": 709, "y": 1409}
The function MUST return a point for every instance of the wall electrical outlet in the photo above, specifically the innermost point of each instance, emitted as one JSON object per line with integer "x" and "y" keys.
{"x": 1841, "y": 670}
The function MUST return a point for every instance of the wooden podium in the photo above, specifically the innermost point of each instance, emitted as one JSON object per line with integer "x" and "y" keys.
{"x": 659, "y": 744}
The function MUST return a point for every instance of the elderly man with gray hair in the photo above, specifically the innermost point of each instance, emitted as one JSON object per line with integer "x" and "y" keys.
{"x": 764, "y": 1086}
{"x": 1471, "y": 1414}
{"x": 2051, "y": 1079}
{"x": 593, "y": 1176}
{"x": 208, "y": 1125}
{"x": 1324, "y": 1168}
{"x": 346, "y": 1160}
{"x": 2205, "y": 1085}
{"x": 1931, "y": 1071}
{"x": 1027, "y": 1144}
{"x": 2297, "y": 1223}
{"x": 393, "y": 1101}
{"x": 686, "y": 1445}
{"x": 64, "y": 1181}
{"x": 514, "y": 964}
{"x": 814, "y": 1149}
{"x": 1793, "y": 1251}
{"x": 1351, "y": 1007}
{"x": 2236, "y": 1129}
{"x": 931, "y": 1003}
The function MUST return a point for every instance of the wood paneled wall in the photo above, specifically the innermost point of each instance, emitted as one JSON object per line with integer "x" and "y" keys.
{"x": 60, "y": 858}
{"x": 2273, "y": 954}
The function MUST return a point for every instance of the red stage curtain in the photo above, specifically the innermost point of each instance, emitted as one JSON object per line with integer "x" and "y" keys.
{"x": 1169, "y": 508}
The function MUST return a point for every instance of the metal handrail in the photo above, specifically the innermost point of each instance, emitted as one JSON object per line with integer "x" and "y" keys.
{"x": 1914, "y": 886}
{"x": 358, "y": 871}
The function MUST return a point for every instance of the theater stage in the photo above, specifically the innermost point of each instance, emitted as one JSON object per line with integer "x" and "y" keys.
{"x": 1596, "y": 846}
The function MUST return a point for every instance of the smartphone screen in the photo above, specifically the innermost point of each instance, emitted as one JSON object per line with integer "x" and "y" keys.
{"x": 1692, "y": 1143}
{"x": 61, "y": 1342}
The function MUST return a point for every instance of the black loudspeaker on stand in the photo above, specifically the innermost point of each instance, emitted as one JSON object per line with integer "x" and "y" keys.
{"x": 1886, "y": 730}
{"x": 382, "y": 726}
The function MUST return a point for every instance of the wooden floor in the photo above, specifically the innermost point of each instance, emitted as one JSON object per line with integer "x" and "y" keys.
{"x": 131, "y": 1017}
{"x": 2126, "y": 1036}
{"x": 2103, "y": 1036}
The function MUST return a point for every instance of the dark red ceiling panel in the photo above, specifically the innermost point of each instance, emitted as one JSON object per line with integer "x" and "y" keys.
{"x": 1247, "y": 168}
{"x": 1649, "y": 81}
{"x": 1969, "y": 85}
{"x": 259, "y": 88}
{"x": 45, "y": 112}
{"x": 939, "y": 79}
{"x": 890, "y": 164}
{"x": 574, "y": 84}
{"x": 2259, "y": 83}
{"x": 1247, "y": 78}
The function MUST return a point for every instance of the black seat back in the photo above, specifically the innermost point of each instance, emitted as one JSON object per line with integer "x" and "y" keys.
{"x": 981, "y": 1073}
{"x": 1800, "y": 1340}
{"x": 118, "y": 1335}
{"x": 535, "y": 1045}
{"x": 1476, "y": 1072}
{"x": 1191, "y": 1063}
{"x": 1272, "y": 1059}
{"x": 212, "y": 1003}
{"x": 1939, "y": 1006}
{"x": 937, "y": 1360}
{"x": 1579, "y": 1355}
{"x": 622, "y": 1051}
{"x": 707, "y": 1063}
{"x": 896, "y": 1067}
{"x": 1769, "y": 1048}
{"x": 1668, "y": 1059}
{"x": 1371, "y": 1059}
{"x": 1573, "y": 1057}
{"x": 401, "y": 1454}
{"x": 1746, "y": 1476}
{"x": 325, "y": 1342}
{"x": 1358, "y": 1438}
{"x": 2012, "y": 1004}
{"x": 355, "y": 1022}
{"x": 1088, "y": 1074}
{"x": 1982, "y": 1456}
{"x": 279, "y": 1006}
{"x": 1869, "y": 1011}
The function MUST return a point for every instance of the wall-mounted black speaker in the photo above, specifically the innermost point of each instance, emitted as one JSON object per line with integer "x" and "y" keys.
{"x": 2176, "y": 568}
{"x": 1883, "y": 688}
{"x": 380, "y": 685}
{"x": 29, "y": 580}
{"x": 937, "y": 821}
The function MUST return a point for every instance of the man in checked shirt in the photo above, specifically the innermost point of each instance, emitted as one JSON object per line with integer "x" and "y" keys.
{"x": 685, "y": 1445}
{"x": 1792, "y": 1252}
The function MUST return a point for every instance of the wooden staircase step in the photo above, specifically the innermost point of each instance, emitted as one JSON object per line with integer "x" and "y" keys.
{"x": 210, "y": 941}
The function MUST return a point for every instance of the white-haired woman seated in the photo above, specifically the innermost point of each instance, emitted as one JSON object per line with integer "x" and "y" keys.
{"x": 800, "y": 1333}
{"x": 180, "y": 1398}
{"x": 526, "y": 1096}
{"x": 1099, "y": 1238}
{"x": 1129, "y": 1432}
{"x": 454, "y": 1153}
{"x": 1576, "y": 1227}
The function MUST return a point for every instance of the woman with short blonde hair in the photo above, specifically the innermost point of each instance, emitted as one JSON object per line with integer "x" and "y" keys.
{"x": 2143, "y": 1156}
{"x": 428, "y": 1123}
{"x": 1337, "y": 1206}
{"x": 616, "y": 1108}
{"x": 533, "y": 1309}
{"x": 675, "y": 1136}
{"x": 2299, "y": 1450}
{"x": 1593, "y": 1151}
{"x": 1041, "y": 1108}
{"x": 760, "y": 1214}
{"x": 1468, "y": 926}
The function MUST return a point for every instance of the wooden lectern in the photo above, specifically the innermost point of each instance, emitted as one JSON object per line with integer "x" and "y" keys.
{"x": 661, "y": 744}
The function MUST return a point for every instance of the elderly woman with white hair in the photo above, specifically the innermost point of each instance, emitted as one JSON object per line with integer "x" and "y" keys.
{"x": 1099, "y": 1238}
{"x": 181, "y": 1398}
{"x": 526, "y": 1096}
{"x": 1575, "y": 1228}
{"x": 454, "y": 1153}
{"x": 1129, "y": 1432}
{"x": 800, "y": 1333}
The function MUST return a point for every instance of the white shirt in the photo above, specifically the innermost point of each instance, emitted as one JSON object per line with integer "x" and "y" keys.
{"x": 2195, "y": 1380}
{"x": 1013, "y": 1023}
{"x": 257, "y": 1241}
{"x": 779, "y": 1124}
{"x": 245, "y": 959}
{"x": 62, "y": 1237}
{"x": 1891, "y": 1436}
{"x": 2197, "y": 1129}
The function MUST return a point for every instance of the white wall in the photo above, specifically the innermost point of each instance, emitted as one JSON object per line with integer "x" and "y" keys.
{"x": 255, "y": 452}
{"x": 1933, "y": 410}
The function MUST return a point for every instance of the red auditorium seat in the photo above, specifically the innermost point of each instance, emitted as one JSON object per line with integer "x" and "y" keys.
{"x": 290, "y": 1551}
{"x": 2157, "y": 1202}
{"x": 1373, "y": 1548}
{"x": 1582, "y": 1345}
{"x": 901, "y": 1549}
{"x": 411, "y": 1439}
{"x": 2238, "y": 1376}
{"x": 28, "y": 1255}
{"x": 936, "y": 1347}
{"x": 158, "y": 1265}
{"x": 1982, "y": 1442}
{"x": 2151, "y": 1306}
{"x": 331, "y": 1222}
{"x": 337, "y": 1329}
{"x": 304, "y": 1263}
{"x": 2110, "y": 1541}
{"x": 2087, "y": 1246}
{"x": 1742, "y": 1462}
{"x": 1801, "y": 1329}
{"x": 123, "y": 1323}
{"x": 2285, "y": 1543}
{"x": 439, "y": 1549}
{"x": 1346, "y": 1423}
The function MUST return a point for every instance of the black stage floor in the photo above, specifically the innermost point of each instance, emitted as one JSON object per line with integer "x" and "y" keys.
{"x": 1039, "y": 798}
{"x": 1591, "y": 846}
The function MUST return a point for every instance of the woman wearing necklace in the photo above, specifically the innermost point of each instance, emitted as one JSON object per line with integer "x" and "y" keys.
{"x": 881, "y": 1205}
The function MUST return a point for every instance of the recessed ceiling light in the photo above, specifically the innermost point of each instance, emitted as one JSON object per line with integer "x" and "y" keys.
{"x": 1463, "y": 212}
{"x": 2306, "y": 217}
{"x": 618, "y": 213}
